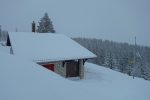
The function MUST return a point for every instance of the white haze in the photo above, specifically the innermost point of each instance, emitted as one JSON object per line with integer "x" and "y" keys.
{"x": 118, "y": 20}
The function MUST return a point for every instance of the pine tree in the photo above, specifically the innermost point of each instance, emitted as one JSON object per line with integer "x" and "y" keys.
{"x": 45, "y": 25}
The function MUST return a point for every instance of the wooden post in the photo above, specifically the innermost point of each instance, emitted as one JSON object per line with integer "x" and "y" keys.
{"x": 81, "y": 69}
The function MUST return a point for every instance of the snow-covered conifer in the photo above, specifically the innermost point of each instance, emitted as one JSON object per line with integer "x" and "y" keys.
{"x": 45, "y": 25}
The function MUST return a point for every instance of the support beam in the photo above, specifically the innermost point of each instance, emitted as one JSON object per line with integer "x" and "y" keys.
{"x": 81, "y": 69}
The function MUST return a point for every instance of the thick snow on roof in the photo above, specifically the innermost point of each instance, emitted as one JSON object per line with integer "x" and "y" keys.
{"x": 47, "y": 47}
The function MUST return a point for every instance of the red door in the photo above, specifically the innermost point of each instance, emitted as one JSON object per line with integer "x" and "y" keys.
{"x": 49, "y": 66}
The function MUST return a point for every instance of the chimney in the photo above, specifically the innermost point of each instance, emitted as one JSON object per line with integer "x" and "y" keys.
{"x": 33, "y": 26}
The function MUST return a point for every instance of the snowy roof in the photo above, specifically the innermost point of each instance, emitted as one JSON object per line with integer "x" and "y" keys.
{"x": 43, "y": 47}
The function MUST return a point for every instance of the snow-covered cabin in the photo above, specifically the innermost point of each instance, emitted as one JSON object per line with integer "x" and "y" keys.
{"x": 56, "y": 52}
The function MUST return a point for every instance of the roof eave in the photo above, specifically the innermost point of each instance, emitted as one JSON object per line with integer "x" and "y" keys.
{"x": 65, "y": 59}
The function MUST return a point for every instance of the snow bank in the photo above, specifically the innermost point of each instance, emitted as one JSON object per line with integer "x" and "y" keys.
{"x": 4, "y": 49}
{"x": 115, "y": 85}
{"x": 24, "y": 80}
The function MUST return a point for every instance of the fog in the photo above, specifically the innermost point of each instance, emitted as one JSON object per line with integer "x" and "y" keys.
{"x": 111, "y": 19}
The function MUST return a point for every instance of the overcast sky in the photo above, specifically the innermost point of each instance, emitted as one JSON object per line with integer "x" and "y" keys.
{"x": 94, "y": 17}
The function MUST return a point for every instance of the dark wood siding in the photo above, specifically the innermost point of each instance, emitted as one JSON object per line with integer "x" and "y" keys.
{"x": 72, "y": 69}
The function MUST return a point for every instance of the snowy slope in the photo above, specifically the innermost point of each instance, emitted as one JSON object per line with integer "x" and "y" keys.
{"x": 24, "y": 80}
{"x": 116, "y": 86}
{"x": 4, "y": 49}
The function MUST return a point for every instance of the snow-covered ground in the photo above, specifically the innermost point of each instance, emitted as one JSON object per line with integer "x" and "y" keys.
{"x": 25, "y": 80}
{"x": 112, "y": 85}
{"x": 4, "y": 49}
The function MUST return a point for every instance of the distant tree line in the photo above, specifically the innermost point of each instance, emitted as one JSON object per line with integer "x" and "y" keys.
{"x": 122, "y": 57}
